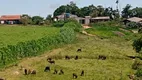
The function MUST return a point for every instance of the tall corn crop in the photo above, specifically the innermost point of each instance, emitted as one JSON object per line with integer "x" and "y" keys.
{"x": 12, "y": 53}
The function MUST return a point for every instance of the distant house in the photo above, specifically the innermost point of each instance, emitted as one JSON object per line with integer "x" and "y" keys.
{"x": 10, "y": 19}
{"x": 133, "y": 19}
{"x": 65, "y": 15}
{"x": 87, "y": 20}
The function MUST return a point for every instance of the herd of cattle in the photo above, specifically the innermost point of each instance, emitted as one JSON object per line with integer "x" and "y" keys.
{"x": 60, "y": 72}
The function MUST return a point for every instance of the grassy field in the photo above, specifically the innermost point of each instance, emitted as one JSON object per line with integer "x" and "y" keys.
{"x": 116, "y": 67}
{"x": 10, "y": 35}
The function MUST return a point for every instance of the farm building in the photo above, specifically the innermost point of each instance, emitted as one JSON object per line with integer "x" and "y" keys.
{"x": 10, "y": 19}
{"x": 87, "y": 20}
{"x": 133, "y": 19}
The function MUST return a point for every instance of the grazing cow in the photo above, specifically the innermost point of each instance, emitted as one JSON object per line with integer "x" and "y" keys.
{"x": 76, "y": 58}
{"x": 131, "y": 77}
{"x": 33, "y": 72}
{"x": 82, "y": 73}
{"x": 55, "y": 71}
{"x": 49, "y": 59}
{"x": 29, "y": 71}
{"x": 52, "y": 62}
{"x": 47, "y": 68}
{"x": 61, "y": 72}
{"x": 102, "y": 57}
{"x": 79, "y": 50}
{"x": 74, "y": 76}
{"x": 67, "y": 57}
{"x": 26, "y": 72}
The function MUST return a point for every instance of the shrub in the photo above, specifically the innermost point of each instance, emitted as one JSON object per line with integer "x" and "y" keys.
{"x": 139, "y": 73}
{"x": 132, "y": 25}
{"x": 74, "y": 25}
{"x": 136, "y": 65}
{"x": 107, "y": 23}
{"x": 137, "y": 44}
{"x": 140, "y": 30}
{"x": 58, "y": 24}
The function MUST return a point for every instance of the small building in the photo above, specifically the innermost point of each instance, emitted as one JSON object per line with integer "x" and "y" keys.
{"x": 65, "y": 16}
{"x": 10, "y": 19}
{"x": 98, "y": 19}
{"x": 87, "y": 20}
{"x": 133, "y": 19}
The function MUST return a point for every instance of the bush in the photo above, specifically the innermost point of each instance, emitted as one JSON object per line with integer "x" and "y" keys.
{"x": 137, "y": 44}
{"x": 74, "y": 25}
{"x": 58, "y": 24}
{"x": 139, "y": 73}
{"x": 136, "y": 65}
{"x": 140, "y": 30}
{"x": 107, "y": 23}
{"x": 132, "y": 25}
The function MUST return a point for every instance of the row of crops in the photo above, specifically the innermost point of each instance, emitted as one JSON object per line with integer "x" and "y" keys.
{"x": 12, "y": 53}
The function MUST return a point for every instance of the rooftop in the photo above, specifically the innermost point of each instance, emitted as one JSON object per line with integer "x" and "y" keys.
{"x": 10, "y": 17}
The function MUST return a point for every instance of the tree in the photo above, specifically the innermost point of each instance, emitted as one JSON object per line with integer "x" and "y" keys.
{"x": 90, "y": 10}
{"x": 69, "y": 8}
{"x": 137, "y": 12}
{"x": 49, "y": 18}
{"x": 126, "y": 11}
{"x": 25, "y": 19}
{"x": 37, "y": 20}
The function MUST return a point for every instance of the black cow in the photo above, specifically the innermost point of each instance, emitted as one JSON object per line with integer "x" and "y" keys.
{"x": 47, "y": 68}
{"x": 74, "y": 76}
{"x": 52, "y": 62}
{"x": 102, "y": 57}
{"x": 26, "y": 72}
{"x": 67, "y": 57}
{"x": 79, "y": 50}
{"x": 61, "y": 72}
{"x": 76, "y": 58}
{"x": 55, "y": 71}
{"x": 82, "y": 73}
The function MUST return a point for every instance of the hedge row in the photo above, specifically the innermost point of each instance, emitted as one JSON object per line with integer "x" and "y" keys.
{"x": 12, "y": 53}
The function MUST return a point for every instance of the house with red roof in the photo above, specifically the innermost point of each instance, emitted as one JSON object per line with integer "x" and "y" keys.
{"x": 10, "y": 19}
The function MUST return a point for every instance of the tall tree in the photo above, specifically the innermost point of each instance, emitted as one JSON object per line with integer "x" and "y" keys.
{"x": 25, "y": 19}
{"x": 137, "y": 12}
{"x": 37, "y": 20}
{"x": 126, "y": 11}
{"x": 69, "y": 8}
{"x": 49, "y": 18}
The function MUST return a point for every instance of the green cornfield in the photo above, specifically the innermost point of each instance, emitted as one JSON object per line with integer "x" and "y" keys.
{"x": 20, "y": 42}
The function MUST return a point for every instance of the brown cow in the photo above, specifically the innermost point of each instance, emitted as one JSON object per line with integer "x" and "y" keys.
{"x": 33, "y": 72}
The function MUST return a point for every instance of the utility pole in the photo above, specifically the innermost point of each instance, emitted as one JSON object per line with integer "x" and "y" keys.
{"x": 117, "y": 7}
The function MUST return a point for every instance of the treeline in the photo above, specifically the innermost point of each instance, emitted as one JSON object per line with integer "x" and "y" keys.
{"x": 12, "y": 53}
{"x": 91, "y": 10}
{"x": 99, "y": 10}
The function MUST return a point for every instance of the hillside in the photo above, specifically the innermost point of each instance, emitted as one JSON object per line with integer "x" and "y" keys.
{"x": 117, "y": 65}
